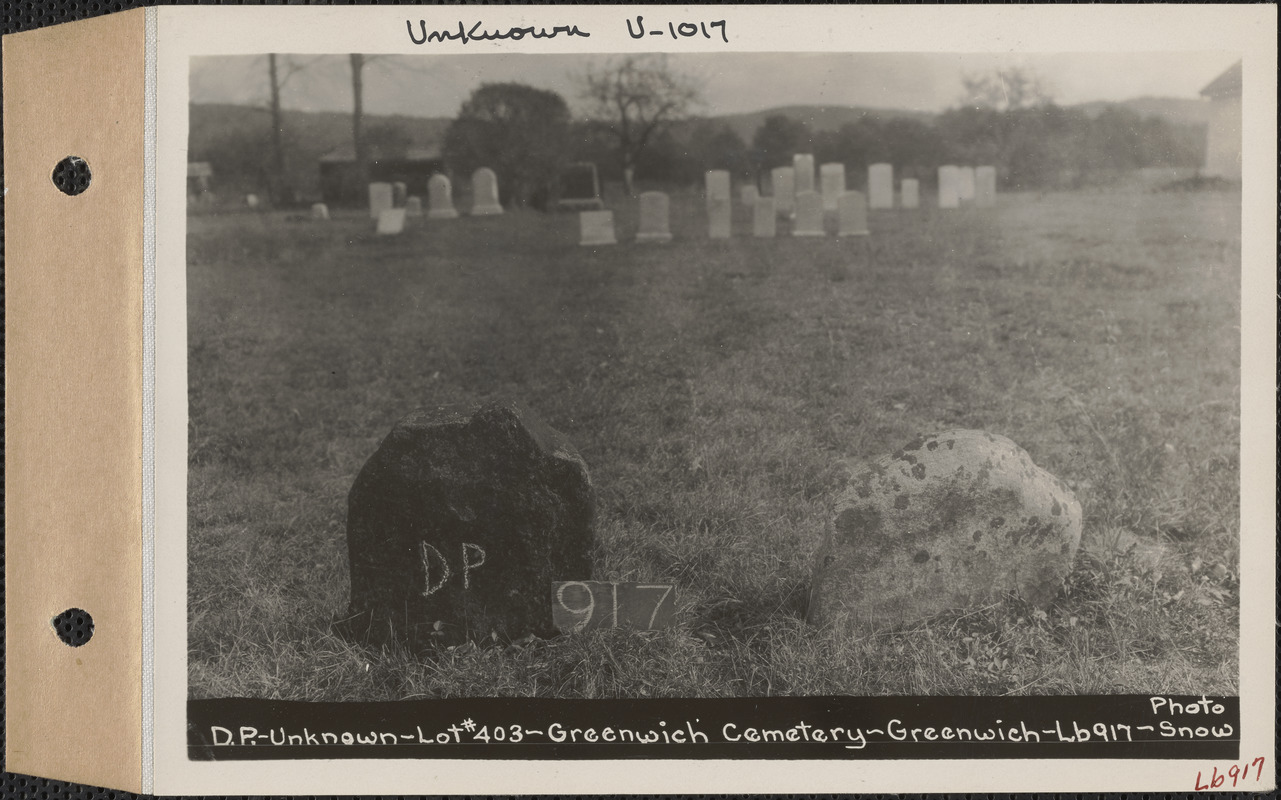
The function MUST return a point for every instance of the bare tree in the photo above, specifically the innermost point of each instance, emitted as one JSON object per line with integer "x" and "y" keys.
{"x": 634, "y": 98}
{"x": 279, "y": 71}
{"x": 1005, "y": 89}
{"x": 358, "y": 61}
{"x": 359, "y": 141}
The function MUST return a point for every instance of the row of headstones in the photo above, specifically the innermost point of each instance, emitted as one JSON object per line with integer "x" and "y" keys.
{"x": 440, "y": 197}
{"x": 597, "y": 227}
{"x": 956, "y": 184}
{"x": 959, "y": 185}
{"x": 799, "y": 200}
{"x": 389, "y": 203}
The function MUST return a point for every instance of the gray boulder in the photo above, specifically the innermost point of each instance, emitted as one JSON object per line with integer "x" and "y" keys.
{"x": 952, "y": 521}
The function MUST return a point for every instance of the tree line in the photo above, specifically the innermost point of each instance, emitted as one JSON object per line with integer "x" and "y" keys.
{"x": 640, "y": 128}
{"x": 639, "y": 122}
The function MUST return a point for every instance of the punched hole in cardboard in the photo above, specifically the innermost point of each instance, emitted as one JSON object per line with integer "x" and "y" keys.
{"x": 71, "y": 175}
{"x": 73, "y": 626}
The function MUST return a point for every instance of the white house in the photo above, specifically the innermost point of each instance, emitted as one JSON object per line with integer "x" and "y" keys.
{"x": 1223, "y": 131}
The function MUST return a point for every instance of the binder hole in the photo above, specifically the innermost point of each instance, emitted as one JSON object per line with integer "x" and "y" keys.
{"x": 73, "y": 626}
{"x": 71, "y": 175}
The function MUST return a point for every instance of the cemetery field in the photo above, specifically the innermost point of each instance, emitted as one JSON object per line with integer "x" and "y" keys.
{"x": 719, "y": 392}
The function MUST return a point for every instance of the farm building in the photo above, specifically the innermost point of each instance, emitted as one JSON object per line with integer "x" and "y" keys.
{"x": 198, "y": 175}
{"x": 339, "y": 185}
{"x": 1223, "y": 132}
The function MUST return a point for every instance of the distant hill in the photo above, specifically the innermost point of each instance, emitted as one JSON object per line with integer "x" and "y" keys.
{"x": 818, "y": 118}
{"x": 1175, "y": 110}
{"x": 236, "y": 140}
{"x": 219, "y": 132}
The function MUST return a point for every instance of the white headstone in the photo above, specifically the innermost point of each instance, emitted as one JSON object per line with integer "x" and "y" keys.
{"x": 783, "y": 188}
{"x": 718, "y": 218}
{"x": 398, "y": 194}
{"x": 717, "y": 186}
{"x": 985, "y": 186}
{"x": 251, "y": 200}
{"x": 413, "y": 206}
{"x": 832, "y": 182}
{"x": 391, "y": 221}
{"x": 596, "y": 227}
{"x": 440, "y": 198}
{"x": 379, "y": 199}
{"x": 852, "y": 215}
{"x": 965, "y": 183}
{"x": 747, "y": 194}
{"x": 655, "y": 225}
{"x": 880, "y": 186}
{"x": 803, "y": 168}
{"x": 809, "y": 214}
{"x": 484, "y": 193}
{"x": 910, "y": 193}
{"x": 949, "y": 179}
{"x": 764, "y": 218}
{"x": 319, "y": 211}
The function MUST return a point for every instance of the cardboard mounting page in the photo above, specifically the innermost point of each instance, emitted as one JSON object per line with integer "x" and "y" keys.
{"x": 73, "y": 400}
{"x": 176, "y": 759}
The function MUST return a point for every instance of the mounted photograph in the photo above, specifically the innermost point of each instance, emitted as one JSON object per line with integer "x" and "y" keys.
{"x": 713, "y": 375}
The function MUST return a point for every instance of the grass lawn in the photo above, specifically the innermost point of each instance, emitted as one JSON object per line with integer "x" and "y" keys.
{"x": 719, "y": 391}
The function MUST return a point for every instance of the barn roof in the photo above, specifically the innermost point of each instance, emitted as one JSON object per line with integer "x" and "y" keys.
{"x": 347, "y": 154}
{"x": 1226, "y": 85}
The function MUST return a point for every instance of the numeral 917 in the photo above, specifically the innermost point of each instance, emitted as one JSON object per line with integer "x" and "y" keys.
{"x": 579, "y": 605}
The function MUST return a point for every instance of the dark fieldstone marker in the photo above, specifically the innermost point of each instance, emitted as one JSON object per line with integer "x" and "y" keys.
{"x": 459, "y": 522}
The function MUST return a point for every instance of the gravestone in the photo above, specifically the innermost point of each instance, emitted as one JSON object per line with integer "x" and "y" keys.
{"x": 579, "y": 188}
{"x": 803, "y": 172}
{"x": 251, "y": 200}
{"x": 484, "y": 193}
{"x": 949, "y": 187}
{"x": 952, "y": 521}
{"x": 910, "y": 193}
{"x": 413, "y": 206}
{"x": 596, "y": 227}
{"x": 809, "y": 214}
{"x": 719, "y": 219}
{"x": 391, "y": 222}
{"x": 655, "y": 218}
{"x": 965, "y": 184}
{"x": 880, "y": 186}
{"x": 985, "y": 187}
{"x": 459, "y": 523}
{"x": 747, "y": 194}
{"x": 398, "y": 194}
{"x": 852, "y": 215}
{"x": 379, "y": 198}
{"x": 440, "y": 198}
{"x": 832, "y": 182}
{"x": 718, "y": 187}
{"x": 319, "y": 211}
{"x": 783, "y": 187}
{"x": 764, "y": 218}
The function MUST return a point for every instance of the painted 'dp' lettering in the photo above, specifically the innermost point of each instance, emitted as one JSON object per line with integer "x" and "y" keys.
{"x": 435, "y": 577}
{"x": 470, "y": 564}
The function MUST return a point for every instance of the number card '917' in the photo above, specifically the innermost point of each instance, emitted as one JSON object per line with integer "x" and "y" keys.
{"x": 583, "y": 605}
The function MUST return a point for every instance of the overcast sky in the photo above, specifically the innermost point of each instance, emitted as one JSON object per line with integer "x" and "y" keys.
{"x": 435, "y": 86}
